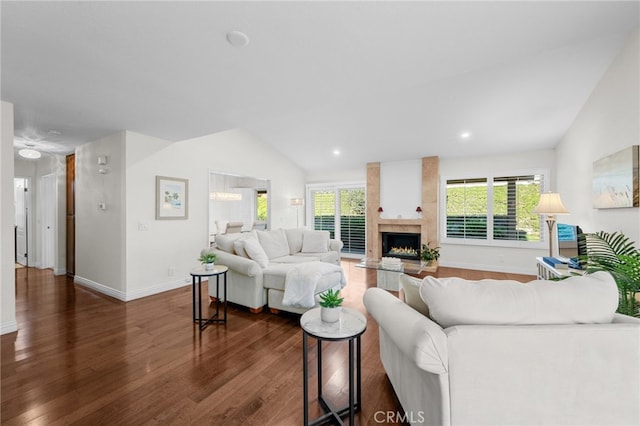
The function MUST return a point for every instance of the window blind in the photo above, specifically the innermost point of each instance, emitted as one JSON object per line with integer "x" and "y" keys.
{"x": 466, "y": 208}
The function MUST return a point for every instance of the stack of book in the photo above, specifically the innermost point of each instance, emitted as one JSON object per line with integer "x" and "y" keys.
{"x": 392, "y": 263}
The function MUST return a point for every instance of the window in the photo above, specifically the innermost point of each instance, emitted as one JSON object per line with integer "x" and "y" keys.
{"x": 493, "y": 209}
{"x": 262, "y": 204}
{"x": 340, "y": 209}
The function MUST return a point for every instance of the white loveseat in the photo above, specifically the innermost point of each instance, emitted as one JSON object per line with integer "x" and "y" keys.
{"x": 259, "y": 261}
{"x": 497, "y": 352}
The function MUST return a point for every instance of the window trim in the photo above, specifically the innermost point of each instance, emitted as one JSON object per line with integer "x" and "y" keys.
{"x": 544, "y": 231}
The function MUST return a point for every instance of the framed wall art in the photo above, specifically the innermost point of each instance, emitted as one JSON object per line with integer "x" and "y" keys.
{"x": 615, "y": 180}
{"x": 172, "y": 198}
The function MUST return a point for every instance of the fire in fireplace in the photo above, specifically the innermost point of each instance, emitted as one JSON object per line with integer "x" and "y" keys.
{"x": 404, "y": 245}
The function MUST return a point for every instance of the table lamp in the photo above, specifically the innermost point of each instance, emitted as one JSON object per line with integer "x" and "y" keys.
{"x": 551, "y": 205}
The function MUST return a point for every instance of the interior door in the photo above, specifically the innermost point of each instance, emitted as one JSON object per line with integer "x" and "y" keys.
{"x": 48, "y": 220}
{"x": 22, "y": 231}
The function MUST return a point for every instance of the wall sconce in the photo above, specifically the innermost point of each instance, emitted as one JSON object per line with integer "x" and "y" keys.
{"x": 419, "y": 211}
{"x": 380, "y": 209}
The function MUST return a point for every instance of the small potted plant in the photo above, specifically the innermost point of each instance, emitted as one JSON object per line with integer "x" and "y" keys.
{"x": 429, "y": 255}
{"x": 330, "y": 302}
{"x": 208, "y": 260}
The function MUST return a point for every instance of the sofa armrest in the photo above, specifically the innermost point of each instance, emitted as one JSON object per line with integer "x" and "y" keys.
{"x": 335, "y": 245}
{"x": 239, "y": 264}
{"x": 420, "y": 339}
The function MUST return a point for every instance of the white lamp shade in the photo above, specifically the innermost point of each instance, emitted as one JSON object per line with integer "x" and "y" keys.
{"x": 550, "y": 203}
{"x": 297, "y": 201}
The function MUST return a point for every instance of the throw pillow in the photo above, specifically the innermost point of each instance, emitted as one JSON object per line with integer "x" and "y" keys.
{"x": 225, "y": 242}
{"x": 411, "y": 289}
{"x": 256, "y": 252}
{"x": 274, "y": 243}
{"x": 294, "y": 238}
{"x": 315, "y": 242}
{"x": 238, "y": 248}
{"x": 589, "y": 299}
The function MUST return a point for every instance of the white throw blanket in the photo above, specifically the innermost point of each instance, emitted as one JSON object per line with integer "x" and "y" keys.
{"x": 301, "y": 281}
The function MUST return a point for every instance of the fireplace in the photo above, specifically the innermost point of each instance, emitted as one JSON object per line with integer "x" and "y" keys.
{"x": 404, "y": 245}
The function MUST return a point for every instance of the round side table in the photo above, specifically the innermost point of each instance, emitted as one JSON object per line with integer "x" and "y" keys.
{"x": 350, "y": 327}
{"x": 196, "y": 281}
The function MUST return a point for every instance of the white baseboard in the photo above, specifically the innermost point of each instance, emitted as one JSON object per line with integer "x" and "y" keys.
{"x": 128, "y": 296}
{"x": 491, "y": 268}
{"x": 150, "y": 291}
{"x": 8, "y": 327}
{"x": 100, "y": 288}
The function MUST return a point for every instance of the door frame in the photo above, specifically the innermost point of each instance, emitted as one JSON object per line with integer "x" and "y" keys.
{"x": 28, "y": 203}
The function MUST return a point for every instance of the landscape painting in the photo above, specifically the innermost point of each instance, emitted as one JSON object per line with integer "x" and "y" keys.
{"x": 615, "y": 180}
{"x": 172, "y": 197}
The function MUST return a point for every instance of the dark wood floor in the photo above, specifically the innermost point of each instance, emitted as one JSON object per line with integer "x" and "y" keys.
{"x": 83, "y": 358}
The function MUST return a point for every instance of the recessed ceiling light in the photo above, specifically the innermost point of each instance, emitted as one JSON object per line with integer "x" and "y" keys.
{"x": 465, "y": 135}
{"x": 336, "y": 152}
{"x": 29, "y": 153}
{"x": 237, "y": 38}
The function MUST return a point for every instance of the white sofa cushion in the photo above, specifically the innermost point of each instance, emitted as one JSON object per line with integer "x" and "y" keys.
{"x": 315, "y": 241}
{"x": 256, "y": 252}
{"x": 238, "y": 248}
{"x": 590, "y": 299}
{"x": 225, "y": 242}
{"x": 294, "y": 238}
{"x": 411, "y": 289}
{"x": 274, "y": 243}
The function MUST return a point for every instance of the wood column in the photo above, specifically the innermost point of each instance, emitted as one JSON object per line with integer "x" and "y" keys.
{"x": 373, "y": 202}
{"x": 71, "y": 215}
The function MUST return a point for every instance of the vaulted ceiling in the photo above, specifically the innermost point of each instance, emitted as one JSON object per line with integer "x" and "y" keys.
{"x": 378, "y": 81}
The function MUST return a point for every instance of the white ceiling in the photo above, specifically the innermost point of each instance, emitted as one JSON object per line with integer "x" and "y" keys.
{"x": 379, "y": 81}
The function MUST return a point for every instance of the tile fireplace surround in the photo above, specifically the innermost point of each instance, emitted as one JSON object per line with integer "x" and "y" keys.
{"x": 427, "y": 226}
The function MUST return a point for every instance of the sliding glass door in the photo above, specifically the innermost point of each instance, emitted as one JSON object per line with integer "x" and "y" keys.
{"x": 340, "y": 209}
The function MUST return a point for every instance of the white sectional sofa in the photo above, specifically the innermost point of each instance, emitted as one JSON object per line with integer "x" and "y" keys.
{"x": 259, "y": 261}
{"x": 497, "y": 352}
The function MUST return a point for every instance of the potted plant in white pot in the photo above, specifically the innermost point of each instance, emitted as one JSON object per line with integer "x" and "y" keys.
{"x": 208, "y": 260}
{"x": 330, "y": 302}
{"x": 429, "y": 255}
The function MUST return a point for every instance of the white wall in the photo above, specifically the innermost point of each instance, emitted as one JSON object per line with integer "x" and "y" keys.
{"x": 158, "y": 245}
{"x": 8, "y": 322}
{"x": 502, "y": 259}
{"x": 608, "y": 122}
{"x": 100, "y": 234}
{"x": 358, "y": 174}
{"x": 400, "y": 188}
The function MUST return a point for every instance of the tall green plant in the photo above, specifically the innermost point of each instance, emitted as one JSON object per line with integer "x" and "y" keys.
{"x": 616, "y": 254}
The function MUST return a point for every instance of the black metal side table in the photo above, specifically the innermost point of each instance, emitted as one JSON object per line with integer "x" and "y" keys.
{"x": 196, "y": 281}
{"x": 350, "y": 327}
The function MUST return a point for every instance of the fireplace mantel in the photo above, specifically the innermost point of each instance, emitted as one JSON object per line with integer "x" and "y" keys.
{"x": 400, "y": 222}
